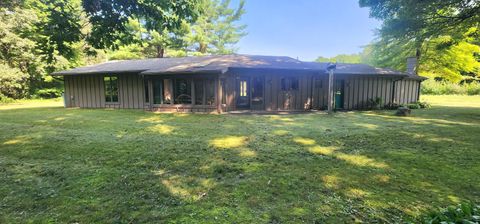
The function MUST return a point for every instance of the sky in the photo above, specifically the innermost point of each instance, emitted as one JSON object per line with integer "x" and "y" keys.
{"x": 305, "y": 29}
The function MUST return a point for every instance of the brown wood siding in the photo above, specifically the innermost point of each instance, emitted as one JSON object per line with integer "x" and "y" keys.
{"x": 359, "y": 90}
{"x": 87, "y": 91}
{"x": 406, "y": 91}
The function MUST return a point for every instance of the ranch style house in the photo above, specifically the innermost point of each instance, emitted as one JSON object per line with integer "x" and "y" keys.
{"x": 226, "y": 83}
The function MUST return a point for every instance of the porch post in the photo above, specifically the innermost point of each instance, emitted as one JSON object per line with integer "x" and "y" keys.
{"x": 150, "y": 93}
{"x": 218, "y": 93}
{"x": 330, "y": 69}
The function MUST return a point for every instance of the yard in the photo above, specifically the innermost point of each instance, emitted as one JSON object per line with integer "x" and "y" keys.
{"x": 130, "y": 166}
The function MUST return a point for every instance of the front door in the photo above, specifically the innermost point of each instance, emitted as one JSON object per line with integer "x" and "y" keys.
{"x": 243, "y": 93}
{"x": 338, "y": 90}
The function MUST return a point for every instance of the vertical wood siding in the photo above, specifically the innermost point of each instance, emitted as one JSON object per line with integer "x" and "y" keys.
{"x": 359, "y": 90}
{"x": 88, "y": 91}
{"x": 406, "y": 91}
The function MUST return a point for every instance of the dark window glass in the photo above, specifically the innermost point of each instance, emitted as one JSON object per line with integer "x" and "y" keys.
{"x": 283, "y": 84}
{"x": 183, "y": 91}
{"x": 210, "y": 92}
{"x": 257, "y": 87}
{"x": 147, "y": 96}
{"x": 167, "y": 91}
{"x": 224, "y": 91}
{"x": 290, "y": 83}
{"x": 157, "y": 91}
{"x": 111, "y": 89}
{"x": 199, "y": 92}
{"x": 294, "y": 82}
{"x": 257, "y": 90}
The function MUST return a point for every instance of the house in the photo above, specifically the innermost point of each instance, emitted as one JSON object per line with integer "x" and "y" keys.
{"x": 234, "y": 82}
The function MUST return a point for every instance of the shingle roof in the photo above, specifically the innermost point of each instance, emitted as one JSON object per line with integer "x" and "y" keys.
{"x": 214, "y": 63}
{"x": 220, "y": 64}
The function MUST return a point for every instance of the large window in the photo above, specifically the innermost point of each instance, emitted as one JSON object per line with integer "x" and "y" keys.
{"x": 289, "y": 83}
{"x": 199, "y": 91}
{"x": 210, "y": 92}
{"x": 180, "y": 91}
{"x": 257, "y": 90}
{"x": 111, "y": 89}
{"x": 183, "y": 91}
{"x": 147, "y": 95}
{"x": 224, "y": 91}
{"x": 157, "y": 91}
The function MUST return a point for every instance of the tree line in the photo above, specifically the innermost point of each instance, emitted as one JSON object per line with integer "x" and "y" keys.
{"x": 38, "y": 37}
{"x": 444, "y": 35}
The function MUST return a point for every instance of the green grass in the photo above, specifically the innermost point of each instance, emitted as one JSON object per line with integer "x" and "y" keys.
{"x": 129, "y": 166}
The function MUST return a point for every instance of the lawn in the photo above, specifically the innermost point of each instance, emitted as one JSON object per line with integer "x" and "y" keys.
{"x": 130, "y": 166}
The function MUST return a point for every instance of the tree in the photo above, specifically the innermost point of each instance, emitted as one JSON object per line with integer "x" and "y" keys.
{"x": 417, "y": 21}
{"x": 442, "y": 34}
{"x": 215, "y": 30}
{"x": 109, "y": 18}
{"x": 442, "y": 60}
{"x": 342, "y": 58}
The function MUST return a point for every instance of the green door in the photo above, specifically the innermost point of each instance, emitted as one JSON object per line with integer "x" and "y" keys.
{"x": 338, "y": 90}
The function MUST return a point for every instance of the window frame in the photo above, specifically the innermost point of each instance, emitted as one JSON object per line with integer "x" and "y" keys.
{"x": 109, "y": 90}
{"x": 194, "y": 82}
{"x": 289, "y": 83}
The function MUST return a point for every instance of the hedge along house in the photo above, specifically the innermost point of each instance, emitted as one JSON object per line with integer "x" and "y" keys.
{"x": 233, "y": 82}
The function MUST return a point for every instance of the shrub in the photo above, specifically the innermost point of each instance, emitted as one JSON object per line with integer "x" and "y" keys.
{"x": 432, "y": 87}
{"x": 5, "y": 99}
{"x": 462, "y": 213}
{"x": 48, "y": 93}
{"x": 412, "y": 106}
{"x": 392, "y": 106}
{"x": 13, "y": 82}
{"x": 424, "y": 105}
{"x": 375, "y": 103}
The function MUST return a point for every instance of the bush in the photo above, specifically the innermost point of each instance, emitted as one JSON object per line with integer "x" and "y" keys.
{"x": 412, "y": 106}
{"x": 424, "y": 105}
{"x": 392, "y": 106}
{"x": 4, "y": 99}
{"x": 432, "y": 87}
{"x": 48, "y": 93}
{"x": 417, "y": 105}
{"x": 13, "y": 82}
{"x": 375, "y": 103}
{"x": 462, "y": 213}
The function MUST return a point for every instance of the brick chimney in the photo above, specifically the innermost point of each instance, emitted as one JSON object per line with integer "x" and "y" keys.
{"x": 412, "y": 65}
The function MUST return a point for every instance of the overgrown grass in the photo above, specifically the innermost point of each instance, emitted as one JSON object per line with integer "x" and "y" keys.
{"x": 129, "y": 166}
{"x": 432, "y": 87}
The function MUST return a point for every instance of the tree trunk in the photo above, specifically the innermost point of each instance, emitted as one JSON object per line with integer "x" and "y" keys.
{"x": 160, "y": 52}
{"x": 203, "y": 48}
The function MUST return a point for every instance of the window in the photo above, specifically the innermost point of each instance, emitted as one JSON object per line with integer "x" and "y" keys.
{"x": 224, "y": 91}
{"x": 183, "y": 91}
{"x": 199, "y": 92}
{"x": 111, "y": 89}
{"x": 243, "y": 88}
{"x": 167, "y": 91}
{"x": 257, "y": 90}
{"x": 157, "y": 91}
{"x": 210, "y": 92}
{"x": 147, "y": 96}
{"x": 290, "y": 83}
{"x": 257, "y": 87}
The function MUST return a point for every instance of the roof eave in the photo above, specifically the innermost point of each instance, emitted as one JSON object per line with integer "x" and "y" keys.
{"x": 67, "y": 73}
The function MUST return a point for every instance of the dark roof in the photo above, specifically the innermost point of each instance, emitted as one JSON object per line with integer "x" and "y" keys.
{"x": 220, "y": 64}
{"x": 213, "y": 63}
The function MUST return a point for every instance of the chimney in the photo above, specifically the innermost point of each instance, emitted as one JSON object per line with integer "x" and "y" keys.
{"x": 412, "y": 65}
